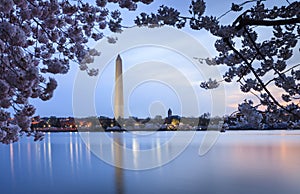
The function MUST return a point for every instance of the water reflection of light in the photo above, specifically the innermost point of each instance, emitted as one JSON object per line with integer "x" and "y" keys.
{"x": 88, "y": 148}
{"x": 76, "y": 152}
{"x": 12, "y": 166}
{"x": 112, "y": 148}
{"x": 135, "y": 151}
{"x": 289, "y": 157}
{"x": 38, "y": 154}
{"x": 29, "y": 158}
{"x": 19, "y": 152}
{"x": 276, "y": 155}
{"x": 49, "y": 155}
{"x": 158, "y": 150}
{"x": 80, "y": 151}
{"x": 71, "y": 152}
{"x": 44, "y": 153}
{"x": 283, "y": 150}
{"x": 101, "y": 148}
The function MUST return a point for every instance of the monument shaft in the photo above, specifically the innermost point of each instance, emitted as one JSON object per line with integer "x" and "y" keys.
{"x": 119, "y": 99}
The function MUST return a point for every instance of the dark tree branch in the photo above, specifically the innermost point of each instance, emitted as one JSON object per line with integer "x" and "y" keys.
{"x": 251, "y": 22}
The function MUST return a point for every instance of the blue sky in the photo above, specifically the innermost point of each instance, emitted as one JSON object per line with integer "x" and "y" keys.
{"x": 149, "y": 97}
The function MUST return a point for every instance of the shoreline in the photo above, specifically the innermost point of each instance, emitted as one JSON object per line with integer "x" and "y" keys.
{"x": 61, "y": 130}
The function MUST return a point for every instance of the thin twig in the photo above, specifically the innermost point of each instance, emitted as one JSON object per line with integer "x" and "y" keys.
{"x": 246, "y": 2}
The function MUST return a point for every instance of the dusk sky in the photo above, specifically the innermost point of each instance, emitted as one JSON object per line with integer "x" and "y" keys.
{"x": 176, "y": 74}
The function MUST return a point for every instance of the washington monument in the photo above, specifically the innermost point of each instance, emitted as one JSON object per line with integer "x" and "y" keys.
{"x": 119, "y": 99}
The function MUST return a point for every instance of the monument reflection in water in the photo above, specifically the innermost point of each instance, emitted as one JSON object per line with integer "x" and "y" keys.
{"x": 240, "y": 162}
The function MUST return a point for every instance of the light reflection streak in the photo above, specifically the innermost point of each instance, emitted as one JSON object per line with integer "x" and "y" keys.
{"x": 158, "y": 150}
{"x": 76, "y": 152}
{"x": 112, "y": 148}
{"x": 29, "y": 158}
{"x": 80, "y": 151}
{"x": 88, "y": 147}
{"x": 49, "y": 156}
{"x": 38, "y": 155}
{"x": 12, "y": 166}
{"x": 44, "y": 154}
{"x": 283, "y": 151}
{"x": 19, "y": 152}
{"x": 101, "y": 149}
{"x": 71, "y": 153}
{"x": 135, "y": 151}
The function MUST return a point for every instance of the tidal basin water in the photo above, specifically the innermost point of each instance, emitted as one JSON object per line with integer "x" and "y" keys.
{"x": 248, "y": 162}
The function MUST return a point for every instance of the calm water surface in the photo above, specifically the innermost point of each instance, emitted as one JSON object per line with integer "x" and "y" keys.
{"x": 240, "y": 162}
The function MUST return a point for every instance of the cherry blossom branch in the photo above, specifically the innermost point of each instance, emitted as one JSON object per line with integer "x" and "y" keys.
{"x": 256, "y": 76}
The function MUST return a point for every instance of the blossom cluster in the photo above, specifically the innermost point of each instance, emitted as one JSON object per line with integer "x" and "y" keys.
{"x": 40, "y": 38}
{"x": 251, "y": 117}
